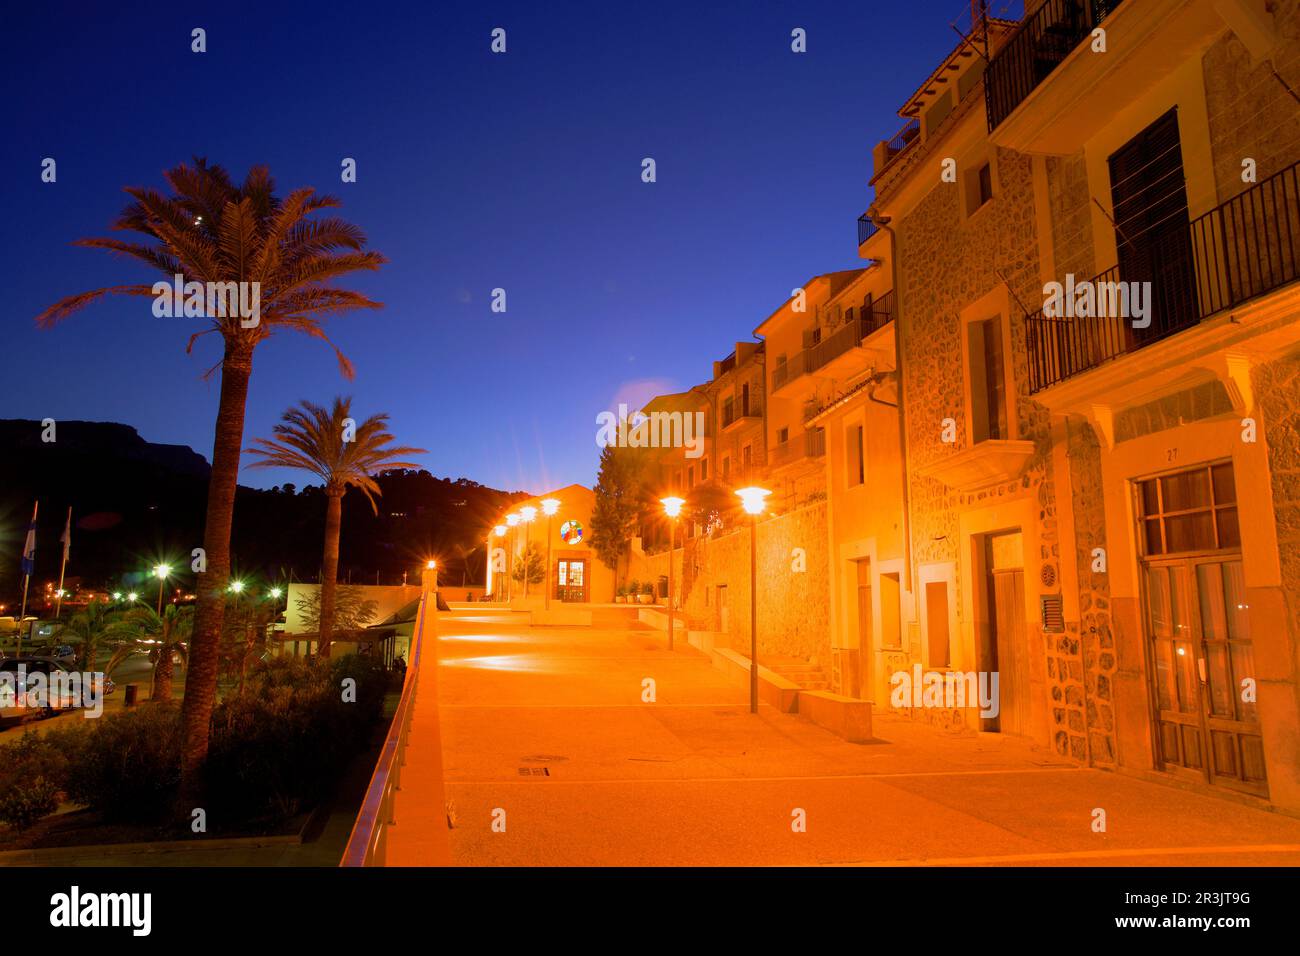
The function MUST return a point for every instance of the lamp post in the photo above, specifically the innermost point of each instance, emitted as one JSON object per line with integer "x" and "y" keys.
{"x": 672, "y": 508}
{"x": 751, "y": 500}
{"x": 512, "y": 520}
{"x": 549, "y": 507}
{"x": 526, "y": 515}
{"x": 161, "y": 571}
{"x": 500, "y": 532}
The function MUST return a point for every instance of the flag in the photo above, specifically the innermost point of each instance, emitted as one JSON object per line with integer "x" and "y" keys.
{"x": 29, "y": 549}
{"x": 66, "y": 538}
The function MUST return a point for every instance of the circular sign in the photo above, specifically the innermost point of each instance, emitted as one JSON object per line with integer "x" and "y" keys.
{"x": 571, "y": 532}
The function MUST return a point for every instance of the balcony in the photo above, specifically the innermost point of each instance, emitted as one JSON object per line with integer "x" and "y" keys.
{"x": 740, "y": 416}
{"x": 836, "y": 355}
{"x": 866, "y": 228}
{"x": 1047, "y": 92}
{"x": 1236, "y": 252}
{"x": 810, "y": 445}
{"x": 889, "y": 150}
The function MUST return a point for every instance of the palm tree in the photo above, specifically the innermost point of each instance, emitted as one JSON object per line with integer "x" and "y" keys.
{"x": 141, "y": 629}
{"x": 212, "y": 230}
{"x": 85, "y": 631}
{"x": 328, "y": 443}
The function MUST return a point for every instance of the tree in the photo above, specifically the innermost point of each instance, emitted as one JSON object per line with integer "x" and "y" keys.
{"x": 85, "y": 631}
{"x": 212, "y": 230}
{"x": 351, "y": 610}
{"x": 162, "y": 638}
{"x": 328, "y": 443}
{"x": 533, "y": 562}
{"x": 621, "y": 499}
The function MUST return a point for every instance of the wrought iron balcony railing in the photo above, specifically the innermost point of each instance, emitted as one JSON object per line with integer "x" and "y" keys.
{"x": 1043, "y": 40}
{"x": 866, "y": 228}
{"x": 1241, "y": 249}
{"x": 812, "y": 444}
{"x": 849, "y": 335}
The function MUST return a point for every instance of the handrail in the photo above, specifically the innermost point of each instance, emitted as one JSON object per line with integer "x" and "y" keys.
{"x": 368, "y": 842}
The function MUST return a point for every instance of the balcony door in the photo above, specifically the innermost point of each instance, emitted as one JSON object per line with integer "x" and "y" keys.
{"x": 1151, "y": 228}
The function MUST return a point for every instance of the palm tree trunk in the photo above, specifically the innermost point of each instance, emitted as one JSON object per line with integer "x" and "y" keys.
{"x": 162, "y": 673}
{"x": 329, "y": 570}
{"x": 210, "y": 607}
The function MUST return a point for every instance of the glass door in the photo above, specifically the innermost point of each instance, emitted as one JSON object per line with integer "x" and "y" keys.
{"x": 1198, "y": 630}
{"x": 571, "y": 580}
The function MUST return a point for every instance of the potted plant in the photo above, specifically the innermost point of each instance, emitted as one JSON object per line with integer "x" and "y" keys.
{"x": 647, "y": 595}
{"x": 633, "y": 589}
{"x": 620, "y": 596}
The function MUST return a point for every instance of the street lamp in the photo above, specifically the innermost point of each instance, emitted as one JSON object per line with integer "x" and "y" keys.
{"x": 500, "y": 532}
{"x": 161, "y": 570}
{"x": 132, "y": 597}
{"x": 512, "y": 520}
{"x": 672, "y": 508}
{"x": 526, "y": 515}
{"x": 275, "y": 593}
{"x": 752, "y": 500}
{"x": 549, "y": 507}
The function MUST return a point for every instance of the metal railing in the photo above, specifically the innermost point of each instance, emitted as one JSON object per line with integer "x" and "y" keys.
{"x": 847, "y": 336}
{"x": 1043, "y": 40}
{"x": 368, "y": 844}
{"x": 866, "y": 228}
{"x": 732, "y": 415}
{"x": 792, "y": 369}
{"x": 812, "y": 444}
{"x": 1241, "y": 249}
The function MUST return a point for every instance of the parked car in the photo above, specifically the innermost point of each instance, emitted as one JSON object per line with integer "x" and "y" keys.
{"x": 13, "y": 690}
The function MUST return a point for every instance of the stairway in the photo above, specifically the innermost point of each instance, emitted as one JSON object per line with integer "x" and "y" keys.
{"x": 807, "y": 675}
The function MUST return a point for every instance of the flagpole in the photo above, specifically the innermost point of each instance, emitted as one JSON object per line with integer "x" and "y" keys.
{"x": 63, "y": 566}
{"x": 29, "y": 557}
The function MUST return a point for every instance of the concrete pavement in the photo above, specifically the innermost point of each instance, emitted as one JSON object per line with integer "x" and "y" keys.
{"x": 551, "y": 732}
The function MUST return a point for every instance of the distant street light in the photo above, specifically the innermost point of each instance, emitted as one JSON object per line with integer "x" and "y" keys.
{"x": 500, "y": 532}
{"x": 752, "y": 500}
{"x": 275, "y": 593}
{"x": 549, "y": 507}
{"x": 117, "y": 595}
{"x": 672, "y": 508}
{"x": 526, "y": 515}
{"x": 161, "y": 571}
{"x": 132, "y": 597}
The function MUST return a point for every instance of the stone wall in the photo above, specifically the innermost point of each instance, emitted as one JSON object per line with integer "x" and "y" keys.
{"x": 1277, "y": 390}
{"x": 1251, "y": 114}
{"x": 793, "y": 611}
{"x": 1081, "y": 663}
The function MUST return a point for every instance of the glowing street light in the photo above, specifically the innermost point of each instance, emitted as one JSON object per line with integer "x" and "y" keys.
{"x": 672, "y": 508}
{"x": 133, "y": 597}
{"x": 500, "y": 532}
{"x": 549, "y": 507}
{"x": 526, "y": 515}
{"x": 752, "y": 499}
{"x": 161, "y": 571}
{"x": 117, "y": 595}
{"x": 275, "y": 593}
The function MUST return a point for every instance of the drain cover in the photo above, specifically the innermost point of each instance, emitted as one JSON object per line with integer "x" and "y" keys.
{"x": 534, "y": 771}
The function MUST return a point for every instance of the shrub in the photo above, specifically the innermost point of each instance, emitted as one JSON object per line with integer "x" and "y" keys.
{"x": 27, "y": 801}
{"x": 127, "y": 766}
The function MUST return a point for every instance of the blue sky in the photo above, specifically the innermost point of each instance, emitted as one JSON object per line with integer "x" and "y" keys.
{"x": 475, "y": 171}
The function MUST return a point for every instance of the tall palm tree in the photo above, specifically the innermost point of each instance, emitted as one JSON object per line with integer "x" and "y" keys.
{"x": 141, "y": 629}
{"x": 318, "y": 440}
{"x": 213, "y": 230}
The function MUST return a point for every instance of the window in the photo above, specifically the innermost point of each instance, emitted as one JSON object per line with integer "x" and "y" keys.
{"x": 854, "y": 457}
{"x": 936, "y": 622}
{"x": 726, "y": 467}
{"x": 690, "y": 477}
{"x": 744, "y": 399}
{"x": 728, "y": 411}
{"x": 745, "y": 459}
{"x": 891, "y": 614}
{"x": 977, "y": 186}
{"x": 988, "y": 383}
{"x": 782, "y": 436}
{"x": 1193, "y": 510}
{"x": 704, "y": 469}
